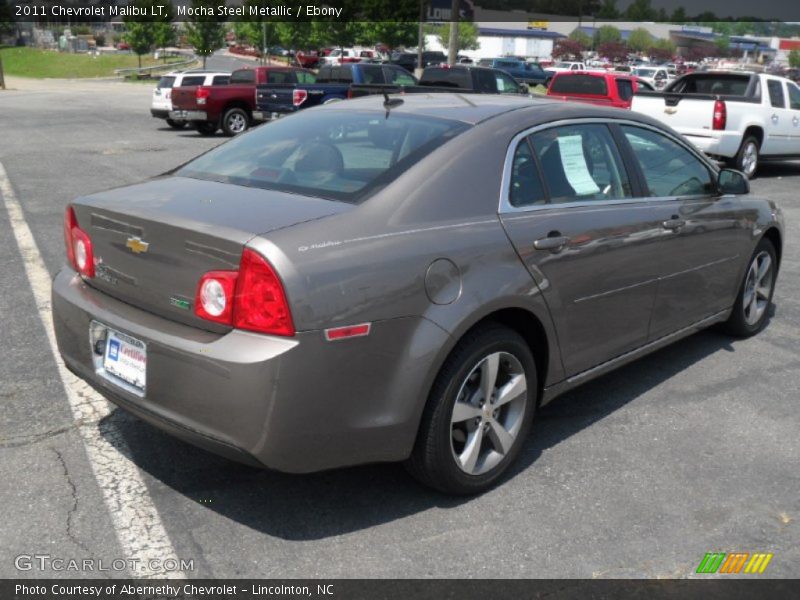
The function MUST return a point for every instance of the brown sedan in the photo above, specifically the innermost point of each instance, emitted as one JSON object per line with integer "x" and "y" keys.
{"x": 405, "y": 280}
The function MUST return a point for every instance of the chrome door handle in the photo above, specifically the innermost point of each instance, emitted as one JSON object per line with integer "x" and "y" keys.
{"x": 553, "y": 243}
{"x": 673, "y": 223}
{"x": 774, "y": 118}
{"x": 795, "y": 121}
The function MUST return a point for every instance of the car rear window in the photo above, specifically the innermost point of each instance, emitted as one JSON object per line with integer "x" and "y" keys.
{"x": 579, "y": 84}
{"x": 165, "y": 82}
{"x": 455, "y": 78}
{"x": 337, "y": 154}
{"x": 712, "y": 83}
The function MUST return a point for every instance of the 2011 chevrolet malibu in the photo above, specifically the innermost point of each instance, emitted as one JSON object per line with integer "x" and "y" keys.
{"x": 405, "y": 279}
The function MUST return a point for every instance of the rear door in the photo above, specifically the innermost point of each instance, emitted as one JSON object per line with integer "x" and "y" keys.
{"x": 794, "y": 109}
{"x": 699, "y": 235}
{"x": 780, "y": 127}
{"x": 570, "y": 208}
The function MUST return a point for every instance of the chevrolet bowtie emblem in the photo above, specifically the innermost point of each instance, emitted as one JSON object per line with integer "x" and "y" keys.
{"x": 136, "y": 245}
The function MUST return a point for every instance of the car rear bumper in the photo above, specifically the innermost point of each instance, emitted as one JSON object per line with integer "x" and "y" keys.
{"x": 188, "y": 115}
{"x": 260, "y": 115}
{"x": 715, "y": 143}
{"x": 160, "y": 113}
{"x": 297, "y": 404}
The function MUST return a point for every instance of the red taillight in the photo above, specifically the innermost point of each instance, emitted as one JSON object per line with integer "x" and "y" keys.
{"x": 260, "y": 303}
{"x": 251, "y": 298}
{"x": 78, "y": 244}
{"x": 720, "y": 115}
{"x": 298, "y": 97}
{"x": 201, "y": 94}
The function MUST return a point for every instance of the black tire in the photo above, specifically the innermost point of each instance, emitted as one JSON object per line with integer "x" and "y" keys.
{"x": 433, "y": 460}
{"x": 235, "y": 121}
{"x": 741, "y": 162}
{"x": 176, "y": 124}
{"x": 205, "y": 128}
{"x": 742, "y": 322}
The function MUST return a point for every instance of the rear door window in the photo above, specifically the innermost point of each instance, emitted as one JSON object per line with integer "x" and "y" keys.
{"x": 398, "y": 76}
{"x": 190, "y": 80}
{"x": 372, "y": 74}
{"x": 243, "y": 76}
{"x": 221, "y": 80}
{"x": 794, "y": 96}
{"x": 776, "y": 97}
{"x": 669, "y": 169}
{"x": 526, "y": 185}
{"x": 581, "y": 163}
{"x": 625, "y": 89}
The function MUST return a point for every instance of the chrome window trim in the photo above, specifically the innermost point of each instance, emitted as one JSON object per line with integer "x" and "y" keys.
{"x": 505, "y": 206}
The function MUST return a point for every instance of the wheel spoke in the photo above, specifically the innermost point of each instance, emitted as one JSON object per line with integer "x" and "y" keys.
{"x": 512, "y": 390}
{"x": 489, "y": 369}
{"x": 763, "y": 268}
{"x": 762, "y": 292}
{"x": 463, "y": 411}
{"x": 748, "y": 297}
{"x": 469, "y": 457}
{"x": 501, "y": 438}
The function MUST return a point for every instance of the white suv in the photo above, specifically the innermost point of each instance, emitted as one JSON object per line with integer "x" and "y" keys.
{"x": 162, "y": 95}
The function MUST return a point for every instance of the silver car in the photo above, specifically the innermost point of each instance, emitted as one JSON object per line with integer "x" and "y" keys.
{"x": 405, "y": 278}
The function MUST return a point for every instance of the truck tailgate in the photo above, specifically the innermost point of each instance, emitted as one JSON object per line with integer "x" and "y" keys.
{"x": 686, "y": 113}
{"x": 184, "y": 98}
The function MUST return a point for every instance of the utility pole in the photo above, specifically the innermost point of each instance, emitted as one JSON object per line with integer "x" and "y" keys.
{"x": 420, "y": 36}
{"x": 2, "y": 77}
{"x": 452, "y": 50}
{"x": 264, "y": 51}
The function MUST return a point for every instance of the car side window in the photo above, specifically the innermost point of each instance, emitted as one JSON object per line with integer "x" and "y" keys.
{"x": 776, "y": 97}
{"x": 580, "y": 163}
{"x": 305, "y": 77}
{"x": 669, "y": 169}
{"x": 220, "y": 79}
{"x": 526, "y": 186}
{"x": 193, "y": 80}
{"x": 372, "y": 74}
{"x": 243, "y": 76}
{"x": 505, "y": 84}
{"x": 794, "y": 96}
{"x": 398, "y": 76}
{"x": 625, "y": 89}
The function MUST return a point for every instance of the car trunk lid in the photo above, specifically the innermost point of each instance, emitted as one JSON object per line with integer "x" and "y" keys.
{"x": 153, "y": 241}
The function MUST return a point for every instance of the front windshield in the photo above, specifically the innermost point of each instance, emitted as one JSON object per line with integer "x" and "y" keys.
{"x": 338, "y": 154}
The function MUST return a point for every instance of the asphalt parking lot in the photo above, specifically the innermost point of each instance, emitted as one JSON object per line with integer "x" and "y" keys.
{"x": 691, "y": 450}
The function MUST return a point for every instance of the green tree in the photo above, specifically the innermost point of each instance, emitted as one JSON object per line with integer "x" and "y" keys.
{"x": 163, "y": 30}
{"x": 467, "y": 36}
{"x": 608, "y": 10}
{"x": 204, "y": 31}
{"x": 7, "y": 26}
{"x": 723, "y": 44}
{"x": 640, "y": 40}
{"x": 679, "y": 15}
{"x": 640, "y": 10}
{"x": 391, "y": 33}
{"x": 581, "y": 36}
{"x": 606, "y": 34}
{"x": 794, "y": 59}
{"x": 138, "y": 32}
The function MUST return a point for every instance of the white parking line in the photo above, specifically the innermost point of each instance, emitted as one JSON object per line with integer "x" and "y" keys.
{"x": 137, "y": 524}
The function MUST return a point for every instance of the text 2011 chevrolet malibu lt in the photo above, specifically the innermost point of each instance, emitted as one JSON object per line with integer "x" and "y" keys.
{"x": 405, "y": 280}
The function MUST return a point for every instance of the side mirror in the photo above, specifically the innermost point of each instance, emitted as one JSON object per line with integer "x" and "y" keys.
{"x": 731, "y": 181}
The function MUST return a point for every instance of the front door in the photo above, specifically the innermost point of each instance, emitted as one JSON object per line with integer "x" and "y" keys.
{"x": 569, "y": 209}
{"x": 703, "y": 241}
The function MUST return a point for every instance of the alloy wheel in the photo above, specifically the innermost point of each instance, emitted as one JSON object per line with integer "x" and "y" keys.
{"x": 237, "y": 123}
{"x": 750, "y": 159}
{"x": 757, "y": 288}
{"x": 488, "y": 413}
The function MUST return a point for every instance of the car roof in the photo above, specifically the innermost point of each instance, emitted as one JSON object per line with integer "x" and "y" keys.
{"x": 476, "y": 108}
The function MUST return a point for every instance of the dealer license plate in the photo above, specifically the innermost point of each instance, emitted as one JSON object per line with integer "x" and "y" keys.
{"x": 126, "y": 358}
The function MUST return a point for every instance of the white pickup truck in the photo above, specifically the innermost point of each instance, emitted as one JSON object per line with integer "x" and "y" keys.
{"x": 742, "y": 118}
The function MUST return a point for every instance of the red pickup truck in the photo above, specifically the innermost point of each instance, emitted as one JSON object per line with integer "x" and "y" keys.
{"x": 610, "y": 88}
{"x": 230, "y": 106}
